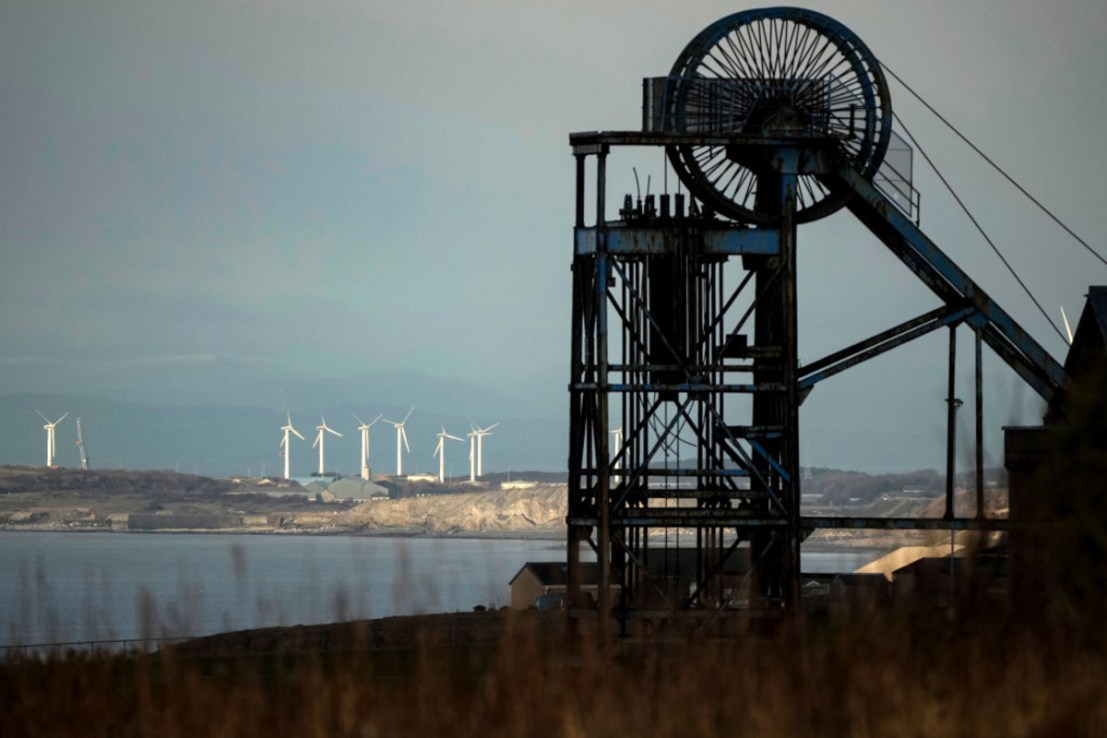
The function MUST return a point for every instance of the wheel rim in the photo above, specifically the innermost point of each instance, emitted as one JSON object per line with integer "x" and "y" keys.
{"x": 775, "y": 70}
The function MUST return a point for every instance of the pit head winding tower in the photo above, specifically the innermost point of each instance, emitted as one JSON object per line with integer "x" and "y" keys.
{"x": 684, "y": 331}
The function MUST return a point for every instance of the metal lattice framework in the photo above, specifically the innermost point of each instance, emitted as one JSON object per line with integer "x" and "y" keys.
{"x": 684, "y": 469}
{"x": 775, "y": 72}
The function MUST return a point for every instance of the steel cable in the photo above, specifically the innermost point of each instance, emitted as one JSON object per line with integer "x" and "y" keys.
{"x": 976, "y": 224}
{"x": 996, "y": 166}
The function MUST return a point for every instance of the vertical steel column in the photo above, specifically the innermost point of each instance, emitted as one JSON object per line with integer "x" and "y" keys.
{"x": 951, "y": 421}
{"x": 790, "y": 345}
{"x": 580, "y": 189}
{"x": 576, "y": 534}
{"x": 600, "y": 424}
{"x": 979, "y": 426}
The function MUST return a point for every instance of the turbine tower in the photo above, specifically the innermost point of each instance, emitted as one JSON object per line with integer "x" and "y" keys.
{"x": 319, "y": 437}
{"x": 472, "y": 455}
{"x": 81, "y": 446}
{"x": 287, "y": 428}
{"x": 440, "y": 452}
{"x": 401, "y": 438}
{"x": 617, "y": 450}
{"x": 51, "y": 446}
{"x": 479, "y": 434}
{"x": 364, "y": 428}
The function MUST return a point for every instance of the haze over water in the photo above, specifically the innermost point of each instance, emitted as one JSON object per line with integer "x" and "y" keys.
{"x": 74, "y": 587}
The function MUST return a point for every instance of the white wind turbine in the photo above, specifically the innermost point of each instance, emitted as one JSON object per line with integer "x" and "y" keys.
{"x": 364, "y": 428}
{"x": 616, "y": 449}
{"x": 472, "y": 455}
{"x": 287, "y": 428}
{"x": 401, "y": 438}
{"x": 319, "y": 442}
{"x": 440, "y": 452}
{"x": 51, "y": 446}
{"x": 478, "y": 435}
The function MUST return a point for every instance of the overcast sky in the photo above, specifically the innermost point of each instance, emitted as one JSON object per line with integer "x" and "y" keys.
{"x": 339, "y": 186}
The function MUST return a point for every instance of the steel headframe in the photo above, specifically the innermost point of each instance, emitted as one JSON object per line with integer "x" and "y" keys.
{"x": 684, "y": 329}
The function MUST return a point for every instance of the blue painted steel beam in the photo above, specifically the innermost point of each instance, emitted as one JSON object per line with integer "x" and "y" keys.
{"x": 594, "y": 142}
{"x": 868, "y": 349}
{"x": 681, "y": 387}
{"x": 905, "y": 523}
{"x": 684, "y": 472}
{"x": 1013, "y": 344}
{"x": 661, "y": 240}
{"x": 677, "y": 517}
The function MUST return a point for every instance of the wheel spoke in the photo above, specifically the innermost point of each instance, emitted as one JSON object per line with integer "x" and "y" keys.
{"x": 742, "y": 72}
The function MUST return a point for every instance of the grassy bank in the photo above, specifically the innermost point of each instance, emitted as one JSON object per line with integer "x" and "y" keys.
{"x": 509, "y": 674}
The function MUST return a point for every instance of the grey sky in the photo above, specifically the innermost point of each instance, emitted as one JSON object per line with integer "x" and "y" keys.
{"x": 339, "y": 186}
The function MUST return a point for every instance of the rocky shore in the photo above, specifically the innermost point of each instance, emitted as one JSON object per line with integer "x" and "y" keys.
{"x": 109, "y": 500}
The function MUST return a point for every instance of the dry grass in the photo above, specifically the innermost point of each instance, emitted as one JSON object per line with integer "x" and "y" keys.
{"x": 1032, "y": 666}
{"x": 505, "y": 674}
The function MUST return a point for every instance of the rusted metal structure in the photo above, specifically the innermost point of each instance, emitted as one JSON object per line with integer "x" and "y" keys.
{"x": 684, "y": 327}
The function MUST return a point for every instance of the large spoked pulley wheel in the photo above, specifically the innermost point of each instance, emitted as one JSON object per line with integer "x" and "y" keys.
{"x": 775, "y": 73}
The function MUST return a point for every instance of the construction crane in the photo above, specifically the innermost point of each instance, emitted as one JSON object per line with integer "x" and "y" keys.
{"x": 81, "y": 446}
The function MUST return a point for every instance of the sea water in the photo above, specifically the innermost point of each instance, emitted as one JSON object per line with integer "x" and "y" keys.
{"x": 76, "y": 587}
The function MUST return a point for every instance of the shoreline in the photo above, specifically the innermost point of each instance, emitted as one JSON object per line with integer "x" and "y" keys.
{"x": 349, "y": 533}
{"x": 837, "y": 545}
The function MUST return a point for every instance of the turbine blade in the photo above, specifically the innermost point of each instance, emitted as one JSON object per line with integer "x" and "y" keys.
{"x": 61, "y": 418}
{"x": 1068, "y": 328}
{"x": 359, "y": 420}
{"x": 297, "y": 434}
{"x": 403, "y": 434}
{"x": 409, "y": 412}
{"x": 45, "y": 419}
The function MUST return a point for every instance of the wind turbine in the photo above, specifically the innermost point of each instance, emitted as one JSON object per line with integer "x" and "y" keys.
{"x": 364, "y": 428}
{"x": 479, "y": 434}
{"x": 616, "y": 449}
{"x": 51, "y": 447}
{"x": 81, "y": 446}
{"x": 440, "y": 452}
{"x": 401, "y": 436}
{"x": 287, "y": 428}
{"x": 319, "y": 442}
{"x": 472, "y": 455}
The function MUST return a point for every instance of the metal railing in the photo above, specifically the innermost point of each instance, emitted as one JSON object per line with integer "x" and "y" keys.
{"x": 732, "y": 106}
{"x": 116, "y": 646}
{"x": 726, "y": 105}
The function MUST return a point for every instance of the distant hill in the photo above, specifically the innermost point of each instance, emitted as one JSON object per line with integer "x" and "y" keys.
{"x": 225, "y": 440}
{"x": 838, "y": 487}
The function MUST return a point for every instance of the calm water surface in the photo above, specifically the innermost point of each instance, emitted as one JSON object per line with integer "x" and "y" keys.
{"x": 98, "y": 586}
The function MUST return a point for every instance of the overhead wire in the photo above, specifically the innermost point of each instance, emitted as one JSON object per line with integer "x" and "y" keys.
{"x": 976, "y": 224}
{"x": 996, "y": 166}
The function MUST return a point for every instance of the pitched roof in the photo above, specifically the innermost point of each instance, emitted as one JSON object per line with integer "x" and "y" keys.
{"x": 1089, "y": 342}
{"x": 556, "y": 573}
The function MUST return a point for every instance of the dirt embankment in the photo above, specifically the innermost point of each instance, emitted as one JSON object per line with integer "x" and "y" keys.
{"x": 69, "y": 499}
{"x": 536, "y": 510}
